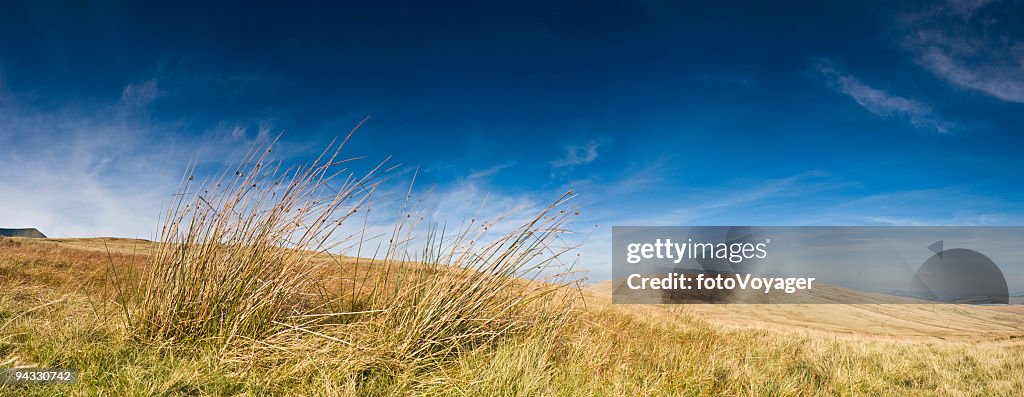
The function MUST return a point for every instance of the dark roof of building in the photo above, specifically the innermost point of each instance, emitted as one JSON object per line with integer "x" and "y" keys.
{"x": 30, "y": 233}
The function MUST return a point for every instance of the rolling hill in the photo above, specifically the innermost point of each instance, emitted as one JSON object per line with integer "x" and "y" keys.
{"x": 57, "y": 310}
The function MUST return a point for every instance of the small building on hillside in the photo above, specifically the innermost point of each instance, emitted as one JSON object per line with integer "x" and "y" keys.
{"x": 28, "y": 233}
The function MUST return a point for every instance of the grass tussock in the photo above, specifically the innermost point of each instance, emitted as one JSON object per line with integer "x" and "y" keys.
{"x": 243, "y": 258}
{"x": 239, "y": 250}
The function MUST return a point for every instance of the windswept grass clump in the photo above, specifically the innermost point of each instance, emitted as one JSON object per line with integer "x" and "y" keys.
{"x": 459, "y": 292}
{"x": 249, "y": 256}
{"x": 239, "y": 251}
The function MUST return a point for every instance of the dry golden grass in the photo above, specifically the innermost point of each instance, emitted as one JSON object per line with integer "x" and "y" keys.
{"x": 241, "y": 296}
{"x": 904, "y": 321}
{"x": 243, "y": 256}
{"x": 605, "y": 350}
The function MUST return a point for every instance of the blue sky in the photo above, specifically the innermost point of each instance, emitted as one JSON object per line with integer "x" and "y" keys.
{"x": 656, "y": 113}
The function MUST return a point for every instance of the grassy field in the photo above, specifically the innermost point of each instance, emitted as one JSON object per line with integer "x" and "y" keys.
{"x": 241, "y": 296}
{"x": 56, "y": 311}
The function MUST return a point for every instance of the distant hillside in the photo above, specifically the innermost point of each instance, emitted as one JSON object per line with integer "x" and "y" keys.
{"x": 608, "y": 350}
{"x": 877, "y": 315}
{"x": 29, "y": 233}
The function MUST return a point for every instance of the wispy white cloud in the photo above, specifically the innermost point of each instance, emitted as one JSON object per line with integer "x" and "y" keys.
{"x": 716, "y": 202}
{"x": 84, "y": 171}
{"x": 970, "y": 44}
{"x": 576, "y": 154}
{"x": 139, "y": 95}
{"x": 880, "y": 102}
{"x": 951, "y": 205}
{"x": 489, "y": 171}
{"x": 238, "y": 131}
{"x": 99, "y": 168}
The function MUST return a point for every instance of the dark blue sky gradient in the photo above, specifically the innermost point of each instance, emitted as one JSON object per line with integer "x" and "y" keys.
{"x": 698, "y": 113}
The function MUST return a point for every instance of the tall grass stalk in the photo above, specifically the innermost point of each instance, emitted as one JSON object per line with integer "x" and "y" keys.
{"x": 239, "y": 250}
{"x": 244, "y": 256}
{"x": 438, "y": 294}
